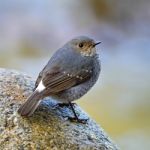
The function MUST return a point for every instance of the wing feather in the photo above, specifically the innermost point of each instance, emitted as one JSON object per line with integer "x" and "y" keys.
{"x": 58, "y": 81}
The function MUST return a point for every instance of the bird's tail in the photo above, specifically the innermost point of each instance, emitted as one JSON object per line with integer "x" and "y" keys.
{"x": 28, "y": 108}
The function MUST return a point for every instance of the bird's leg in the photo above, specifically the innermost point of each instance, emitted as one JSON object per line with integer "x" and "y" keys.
{"x": 71, "y": 105}
{"x": 75, "y": 118}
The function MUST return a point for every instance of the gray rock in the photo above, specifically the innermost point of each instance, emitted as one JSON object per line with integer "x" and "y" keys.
{"x": 47, "y": 128}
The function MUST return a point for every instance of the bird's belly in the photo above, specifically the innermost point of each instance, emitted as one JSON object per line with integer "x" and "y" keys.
{"x": 71, "y": 94}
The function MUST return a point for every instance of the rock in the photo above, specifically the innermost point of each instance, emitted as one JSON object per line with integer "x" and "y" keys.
{"x": 47, "y": 128}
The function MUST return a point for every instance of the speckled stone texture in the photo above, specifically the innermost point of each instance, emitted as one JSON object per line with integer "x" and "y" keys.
{"x": 48, "y": 128}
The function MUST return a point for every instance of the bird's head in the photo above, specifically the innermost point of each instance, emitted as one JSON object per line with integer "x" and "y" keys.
{"x": 83, "y": 44}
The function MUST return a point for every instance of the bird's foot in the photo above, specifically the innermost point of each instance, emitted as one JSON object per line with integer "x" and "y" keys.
{"x": 78, "y": 120}
{"x": 64, "y": 105}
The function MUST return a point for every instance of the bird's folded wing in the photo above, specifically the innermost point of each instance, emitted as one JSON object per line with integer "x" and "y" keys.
{"x": 57, "y": 81}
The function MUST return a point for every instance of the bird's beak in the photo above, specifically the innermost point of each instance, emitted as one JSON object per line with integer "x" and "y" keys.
{"x": 96, "y": 43}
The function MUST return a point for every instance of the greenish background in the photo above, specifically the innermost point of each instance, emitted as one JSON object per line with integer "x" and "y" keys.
{"x": 31, "y": 31}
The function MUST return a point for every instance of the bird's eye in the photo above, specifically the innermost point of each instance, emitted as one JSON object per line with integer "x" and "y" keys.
{"x": 81, "y": 45}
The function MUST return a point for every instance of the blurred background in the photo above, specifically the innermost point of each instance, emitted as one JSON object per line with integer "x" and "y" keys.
{"x": 31, "y": 30}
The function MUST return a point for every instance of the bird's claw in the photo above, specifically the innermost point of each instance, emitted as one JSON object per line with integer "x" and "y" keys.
{"x": 64, "y": 105}
{"x": 74, "y": 119}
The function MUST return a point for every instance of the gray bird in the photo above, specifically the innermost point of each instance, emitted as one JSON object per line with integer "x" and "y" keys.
{"x": 70, "y": 73}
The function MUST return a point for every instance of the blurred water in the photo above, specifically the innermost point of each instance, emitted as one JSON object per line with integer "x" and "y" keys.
{"x": 32, "y": 30}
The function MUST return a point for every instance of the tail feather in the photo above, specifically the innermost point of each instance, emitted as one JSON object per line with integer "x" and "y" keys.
{"x": 28, "y": 108}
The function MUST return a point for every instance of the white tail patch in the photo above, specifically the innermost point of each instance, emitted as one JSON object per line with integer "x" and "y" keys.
{"x": 40, "y": 87}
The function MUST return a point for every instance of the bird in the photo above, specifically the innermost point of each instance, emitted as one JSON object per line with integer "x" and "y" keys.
{"x": 69, "y": 74}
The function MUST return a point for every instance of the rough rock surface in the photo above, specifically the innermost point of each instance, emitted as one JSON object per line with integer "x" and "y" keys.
{"x": 47, "y": 129}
